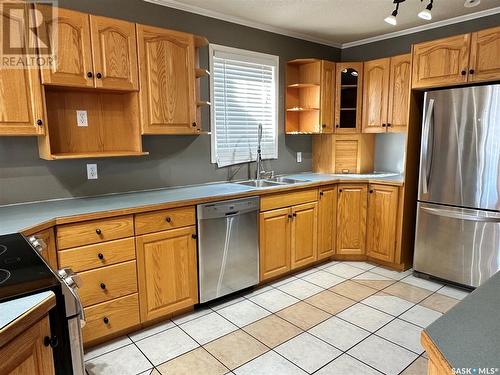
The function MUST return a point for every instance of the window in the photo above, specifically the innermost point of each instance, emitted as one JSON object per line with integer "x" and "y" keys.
{"x": 243, "y": 92}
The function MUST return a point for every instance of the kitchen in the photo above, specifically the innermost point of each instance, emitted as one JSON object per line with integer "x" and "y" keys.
{"x": 220, "y": 187}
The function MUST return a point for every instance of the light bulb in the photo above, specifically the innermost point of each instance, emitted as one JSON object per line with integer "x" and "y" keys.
{"x": 391, "y": 20}
{"x": 425, "y": 14}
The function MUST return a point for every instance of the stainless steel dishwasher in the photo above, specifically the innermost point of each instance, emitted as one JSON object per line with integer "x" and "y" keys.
{"x": 228, "y": 247}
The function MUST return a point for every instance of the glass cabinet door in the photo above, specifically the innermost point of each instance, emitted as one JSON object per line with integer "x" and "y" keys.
{"x": 348, "y": 97}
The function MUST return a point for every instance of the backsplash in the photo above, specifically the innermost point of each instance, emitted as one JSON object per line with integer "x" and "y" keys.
{"x": 390, "y": 152}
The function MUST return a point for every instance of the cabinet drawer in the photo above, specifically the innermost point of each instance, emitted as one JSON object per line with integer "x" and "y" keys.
{"x": 157, "y": 221}
{"x": 99, "y": 255}
{"x": 94, "y": 231}
{"x": 271, "y": 202}
{"x": 107, "y": 283}
{"x": 111, "y": 317}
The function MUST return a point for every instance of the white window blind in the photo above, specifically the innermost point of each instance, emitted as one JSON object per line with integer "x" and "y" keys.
{"x": 243, "y": 94}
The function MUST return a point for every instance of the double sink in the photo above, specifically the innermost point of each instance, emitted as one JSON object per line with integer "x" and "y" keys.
{"x": 273, "y": 181}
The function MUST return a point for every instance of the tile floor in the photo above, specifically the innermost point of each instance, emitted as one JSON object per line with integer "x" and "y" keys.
{"x": 337, "y": 318}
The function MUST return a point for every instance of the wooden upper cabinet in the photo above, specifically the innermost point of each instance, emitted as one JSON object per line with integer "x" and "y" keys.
{"x": 167, "y": 272}
{"x": 327, "y": 96}
{"x": 304, "y": 240}
{"x": 382, "y": 217}
{"x": 351, "y": 219}
{"x": 327, "y": 212}
{"x": 69, "y": 35}
{"x": 375, "y": 95}
{"x": 167, "y": 98}
{"x": 399, "y": 93}
{"x": 441, "y": 62}
{"x": 21, "y": 106}
{"x": 274, "y": 243}
{"x": 348, "y": 97}
{"x": 484, "y": 62}
{"x": 114, "y": 48}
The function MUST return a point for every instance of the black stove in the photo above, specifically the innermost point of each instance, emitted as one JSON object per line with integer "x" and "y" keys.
{"x": 22, "y": 270}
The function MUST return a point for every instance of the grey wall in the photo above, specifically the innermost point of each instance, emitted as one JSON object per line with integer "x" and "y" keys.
{"x": 173, "y": 160}
{"x": 402, "y": 44}
{"x": 390, "y": 152}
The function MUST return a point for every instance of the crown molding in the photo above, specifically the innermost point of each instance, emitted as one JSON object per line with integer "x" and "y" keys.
{"x": 240, "y": 21}
{"x": 277, "y": 30}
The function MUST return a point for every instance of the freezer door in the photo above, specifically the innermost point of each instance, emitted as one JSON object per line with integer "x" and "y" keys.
{"x": 460, "y": 149}
{"x": 457, "y": 244}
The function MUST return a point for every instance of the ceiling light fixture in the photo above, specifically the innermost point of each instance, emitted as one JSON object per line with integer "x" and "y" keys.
{"x": 471, "y": 3}
{"x": 426, "y": 13}
{"x": 391, "y": 20}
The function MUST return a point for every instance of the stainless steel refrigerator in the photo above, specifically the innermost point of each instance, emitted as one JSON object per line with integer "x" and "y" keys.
{"x": 458, "y": 210}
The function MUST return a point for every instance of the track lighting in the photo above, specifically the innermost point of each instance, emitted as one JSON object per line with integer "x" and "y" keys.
{"x": 426, "y": 13}
{"x": 391, "y": 20}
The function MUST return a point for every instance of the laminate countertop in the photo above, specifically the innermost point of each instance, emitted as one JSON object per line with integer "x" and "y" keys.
{"x": 20, "y": 217}
{"x": 468, "y": 335}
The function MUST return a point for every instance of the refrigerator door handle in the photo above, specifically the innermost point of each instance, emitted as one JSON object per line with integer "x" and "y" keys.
{"x": 426, "y": 149}
{"x": 460, "y": 216}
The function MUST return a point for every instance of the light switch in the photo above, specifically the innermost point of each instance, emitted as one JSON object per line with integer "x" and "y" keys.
{"x": 299, "y": 157}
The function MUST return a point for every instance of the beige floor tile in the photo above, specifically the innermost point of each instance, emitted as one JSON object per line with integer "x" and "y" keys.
{"x": 439, "y": 302}
{"x": 197, "y": 361}
{"x": 236, "y": 349}
{"x": 408, "y": 292}
{"x": 375, "y": 284}
{"x": 419, "y": 367}
{"x": 272, "y": 330}
{"x": 330, "y": 302}
{"x": 353, "y": 290}
{"x": 303, "y": 315}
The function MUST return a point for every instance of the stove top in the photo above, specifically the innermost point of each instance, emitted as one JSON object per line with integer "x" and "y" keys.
{"x": 22, "y": 270}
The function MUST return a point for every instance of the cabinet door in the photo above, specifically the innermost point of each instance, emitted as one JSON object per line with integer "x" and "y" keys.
{"x": 304, "y": 241}
{"x": 399, "y": 93}
{"x": 327, "y": 96}
{"x": 485, "y": 55}
{"x": 348, "y": 97}
{"x": 274, "y": 243}
{"x": 21, "y": 108}
{"x": 351, "y": 219}
{"x": 375, "y": 95}
{"x": 381, "y": 228}
{"x": 441, "y": 62}
{"x": 69, "y": 35}
{"x": 168, "y": 101}
{"x": 26, "y": 354}
{"x": 167, "y": 273}
{"x": 114, "y": 49}
{"x": 327, "y": 210}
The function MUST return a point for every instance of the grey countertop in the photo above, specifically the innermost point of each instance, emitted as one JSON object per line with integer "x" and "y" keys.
{"x": 468, "y": 335}
{"x": 11, "y": 310}
{"x": 18, "y": 217}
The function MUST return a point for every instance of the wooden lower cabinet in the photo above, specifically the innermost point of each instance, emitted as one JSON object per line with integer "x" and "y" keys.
{"x": 304, "y": 241}
{"x": 351, "y": 219}
{"x": 27, "y": 354}
{"x": 327, "y": 222}
{"x": 167, "y": 272}
{"x": 275, "y": 242}
{"x": 382, "y": 220}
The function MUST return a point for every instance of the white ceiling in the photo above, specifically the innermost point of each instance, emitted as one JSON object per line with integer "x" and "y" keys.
{"x": 333, "y": 22}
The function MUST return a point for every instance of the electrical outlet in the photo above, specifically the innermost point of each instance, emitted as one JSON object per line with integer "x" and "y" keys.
{"x": 92, "y": 172}
{"x": 81, "y": 118}
{"x": 299, "y": 157}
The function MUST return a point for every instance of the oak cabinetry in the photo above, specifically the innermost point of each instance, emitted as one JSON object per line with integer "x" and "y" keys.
{"x": 351, "y": 219}
{"x": 386, "y": 90}
{"x": 382, "y": 219}
{"x": 21, "y": 106}
{"x": 304, "y": 232}
{"x": 484, "y": 61}
{"x": 48, "y": 253}
{"x": 27, "y": 354}
{"x": 327, "y": 220}
{"x": 167, "y": 98}
{"x": 348, "y": 97}
{"x": 156, "y": 221}
{"x": 167, "y": 272}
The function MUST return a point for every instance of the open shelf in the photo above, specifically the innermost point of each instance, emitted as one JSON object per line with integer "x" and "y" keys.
{"x": 347, "y": 109}
{"x": 303, "y": 85}
{"x": 97, "y": 154}
{"x": 302, "y": 109}
{"x": 349, "y": 86}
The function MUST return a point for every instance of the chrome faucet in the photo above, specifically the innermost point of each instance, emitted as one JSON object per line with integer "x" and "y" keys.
{"x": 259, "y": 171}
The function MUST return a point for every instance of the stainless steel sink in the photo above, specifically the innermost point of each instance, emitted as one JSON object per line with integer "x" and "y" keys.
{"x": 259, "y": 183}
{"x": 286, "y": 180}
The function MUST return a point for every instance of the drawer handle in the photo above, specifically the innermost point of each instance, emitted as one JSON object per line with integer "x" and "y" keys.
{"x": 98, "y": 231}
{"x": 100, "y": 256}
{"x": 103, "y": 286}
{"x": 168, "y": 219}
{"x": 105, "y": 320}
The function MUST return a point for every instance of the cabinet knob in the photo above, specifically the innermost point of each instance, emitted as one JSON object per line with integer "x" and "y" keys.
{"x": 321, "y": 193}
{"x": 389, "y": 125}
{"x": 50, "y": 341}
{"x": 471, "y": 71}
{"x": 100, "y": 256}
{"x": 340, "y": 190}
{"x": 39, "y": 122}
{"x": 103, "y": 286}
{"x": 289, "y": 216}
{"x": 98, "y": 231}
{"x": 463, "y": 72}
{"x": 194, "y": 236}
{"x": 194, "y": 124}
{"x": 337, "y": 126}
{"x": 98, "y": 75}
{"x": 383, "y": 125}
{"x": 294, "y": 214}
{"x": 105, "y": 320}
{"x": 323, "y": 125}
{"x": 371, "y": 191}
{"x": 168, "y": 219}
{"x": 89, "y": 74}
